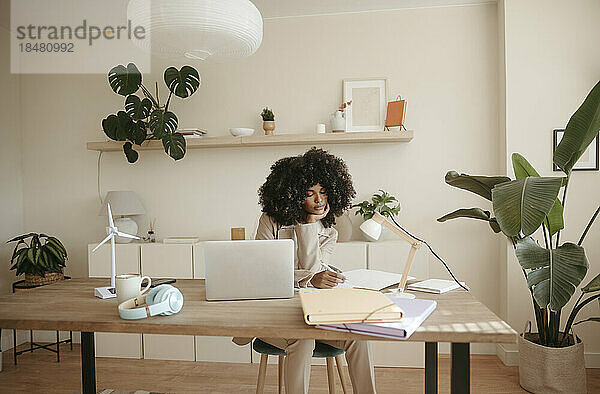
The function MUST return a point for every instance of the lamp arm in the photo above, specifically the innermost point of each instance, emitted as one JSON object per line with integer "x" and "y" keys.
{"x": 385, "y": 222}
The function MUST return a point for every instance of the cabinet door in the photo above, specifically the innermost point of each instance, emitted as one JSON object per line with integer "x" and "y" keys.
{"x": 349, "y": 256}
{"x": 169, "y": 347}
{"x": 119, "y": 345}
{"x": 391, "y": 256}
{"x": 221, "y": 349}
{"x": 127, "y": 260}
{"x": 167, "y": 260}
{"x": 198, "y": 257}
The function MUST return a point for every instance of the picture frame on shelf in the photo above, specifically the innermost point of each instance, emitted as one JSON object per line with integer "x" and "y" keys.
{"x": 369, "y": 104}
{"x": 589, "y": 161}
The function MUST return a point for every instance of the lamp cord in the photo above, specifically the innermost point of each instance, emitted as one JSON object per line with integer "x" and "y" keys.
{"x": 432, "y": 251}
{"x": 98, "y": 175}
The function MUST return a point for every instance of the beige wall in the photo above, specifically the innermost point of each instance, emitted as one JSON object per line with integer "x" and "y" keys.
{"x": 552, "y": 61}
{"x": 443, "y": 60}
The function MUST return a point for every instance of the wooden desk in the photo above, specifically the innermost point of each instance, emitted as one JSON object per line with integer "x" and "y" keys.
{"x": 71, "y": 306}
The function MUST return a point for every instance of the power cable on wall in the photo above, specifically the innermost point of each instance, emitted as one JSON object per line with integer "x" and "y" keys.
{"x": 98, "y": 172}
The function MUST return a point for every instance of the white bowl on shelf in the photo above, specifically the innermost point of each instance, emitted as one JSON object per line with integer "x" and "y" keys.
{"x": 241, "y": 131}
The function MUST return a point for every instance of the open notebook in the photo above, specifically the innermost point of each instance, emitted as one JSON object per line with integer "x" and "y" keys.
{"x": 370, "y": 279}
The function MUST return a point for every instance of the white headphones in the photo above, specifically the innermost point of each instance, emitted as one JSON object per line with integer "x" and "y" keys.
{"x": 162, "y": 300}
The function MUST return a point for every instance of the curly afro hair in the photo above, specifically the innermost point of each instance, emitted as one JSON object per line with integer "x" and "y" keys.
{"x": 283, "y": 194}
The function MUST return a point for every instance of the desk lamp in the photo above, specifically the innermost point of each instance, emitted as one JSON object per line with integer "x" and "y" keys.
{"x": 372, "y": 228}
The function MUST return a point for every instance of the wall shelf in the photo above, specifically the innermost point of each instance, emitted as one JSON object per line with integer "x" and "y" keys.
{"x": 267, "y": 140}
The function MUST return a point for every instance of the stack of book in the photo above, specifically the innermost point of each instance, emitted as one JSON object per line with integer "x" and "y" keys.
{"x": 192, "y": 132}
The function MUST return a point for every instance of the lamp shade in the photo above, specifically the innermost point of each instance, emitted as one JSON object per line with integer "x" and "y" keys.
{"x": 122, "y": 203}
{"x": 204, "y": 30}
{"x": 371, "y": 229}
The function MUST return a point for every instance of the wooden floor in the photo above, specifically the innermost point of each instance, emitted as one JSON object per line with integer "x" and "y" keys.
{"x": 38, "y": 372}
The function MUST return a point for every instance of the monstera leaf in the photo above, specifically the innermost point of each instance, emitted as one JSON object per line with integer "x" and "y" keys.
{"x": 555, "y": 274}
{"x": 131, "y": 154}
{"x": 174, "y": 145}
{"x": 125, "y": 81}
{"x": 473, "y": 213}
{"x": 523, "y": 204}
{"x": 481, "y": 185}
{"x": 523, "y": 169}
{"x": 138, "y": 132}
{"x": 594, "y": 285}
{"x": 182, "y": 83}
{"x": 117, "y": 127}
{"x": 162, "y": 123}
{"x": 136, "y": 108}
{"x": 581, "y": 130}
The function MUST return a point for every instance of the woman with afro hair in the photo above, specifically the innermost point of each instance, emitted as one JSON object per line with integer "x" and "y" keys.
{"x": 300, "y": 200}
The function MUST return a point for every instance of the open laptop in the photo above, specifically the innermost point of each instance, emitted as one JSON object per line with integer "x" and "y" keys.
{"x": 248, "y": 270}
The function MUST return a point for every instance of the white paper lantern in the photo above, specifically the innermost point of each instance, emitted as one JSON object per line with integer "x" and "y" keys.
{"x": 203, "y": 30}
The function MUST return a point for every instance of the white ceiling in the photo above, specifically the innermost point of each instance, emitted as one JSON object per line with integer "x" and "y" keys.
{"x": 291, "y": 8}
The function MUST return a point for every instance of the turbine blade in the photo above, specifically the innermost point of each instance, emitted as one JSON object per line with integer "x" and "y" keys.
{"x": 124, "y": 235}
{"x": 103, "y": 242}
{"x": 110, "y": 218}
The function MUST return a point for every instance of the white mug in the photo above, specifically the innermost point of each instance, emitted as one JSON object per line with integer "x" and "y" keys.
{"x": 128, "y": 286}
{"x": 320, "y": 128}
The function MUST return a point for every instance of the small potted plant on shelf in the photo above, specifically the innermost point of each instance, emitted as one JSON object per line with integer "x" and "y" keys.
{"x": 380, "y": 202}
{"x": 529, "y": 212}
{"x": 40, "y": 257}
{"x": 268, "y": 121}
{"x": 338, "y": 118}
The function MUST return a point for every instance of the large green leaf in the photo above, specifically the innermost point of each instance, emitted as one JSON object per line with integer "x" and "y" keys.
{"x": 117, "y": 127}
{"x": 137, "y": 108}
{"x": 581, "y": 130}
{"x": 481, "y": 185}
{"x": 131, "y": 154}
{"x": 472, "y": 213}
{"x": 555, "y": 274}
{"x": 183, "y": 83}
{"x": 523, "y": 169}
{"x": 522, "y": 204}
{"x": 174, "y": 145}
{"x": 594, "y": 285}
{"x": 125, "y": 81}
{"x": 162, "y": 123}
{"x": 138, "y": 132}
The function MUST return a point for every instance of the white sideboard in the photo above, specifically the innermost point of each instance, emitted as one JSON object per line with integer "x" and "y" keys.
{"x": 184, "y": 261}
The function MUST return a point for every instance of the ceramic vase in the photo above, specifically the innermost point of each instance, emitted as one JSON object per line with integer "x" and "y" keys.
{"x": 338, "y": 122}
{"x": 269, "y": 127}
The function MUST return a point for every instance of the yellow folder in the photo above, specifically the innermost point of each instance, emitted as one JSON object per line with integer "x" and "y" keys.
{"x": 344, "y": 305}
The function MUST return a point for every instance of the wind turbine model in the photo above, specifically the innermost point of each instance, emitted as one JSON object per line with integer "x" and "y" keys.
{"x": 112, "y": 231}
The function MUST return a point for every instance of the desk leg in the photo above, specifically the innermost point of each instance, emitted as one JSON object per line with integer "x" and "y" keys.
{"x": 88, "y": 363}
{"x": 460, "y": 379}
{"x": 431, "y": 367}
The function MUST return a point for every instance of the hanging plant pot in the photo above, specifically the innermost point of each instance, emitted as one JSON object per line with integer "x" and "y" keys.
{"x": 544, "y": 369}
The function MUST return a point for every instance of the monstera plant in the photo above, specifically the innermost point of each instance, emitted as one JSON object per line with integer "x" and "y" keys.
{"x": 523, "y": 206}
{"x": 144, "y": 117}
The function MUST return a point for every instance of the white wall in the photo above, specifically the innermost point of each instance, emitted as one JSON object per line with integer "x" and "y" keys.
{"x": 552, "y": 61}
{"x": 11, "y": 178}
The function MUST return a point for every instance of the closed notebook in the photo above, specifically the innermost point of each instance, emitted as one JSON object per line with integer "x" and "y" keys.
{"x": 416, "y": 311}
{"x": 347, "y": 306}
{"x": 437, "y": 286}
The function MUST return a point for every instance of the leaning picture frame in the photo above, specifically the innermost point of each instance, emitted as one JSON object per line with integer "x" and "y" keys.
{"x": 369, "y": 104}
{"x": 588, "y": 160}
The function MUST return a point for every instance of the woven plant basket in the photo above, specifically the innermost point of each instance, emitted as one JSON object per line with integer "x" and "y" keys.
{"x": 36, "y": 280}
{"x": 545, "y": 369}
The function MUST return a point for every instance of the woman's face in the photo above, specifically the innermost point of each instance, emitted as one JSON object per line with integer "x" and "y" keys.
{"x": 316, "y": 200}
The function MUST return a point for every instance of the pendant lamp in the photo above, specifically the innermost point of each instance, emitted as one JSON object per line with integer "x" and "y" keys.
{"x": 202, "y": 30}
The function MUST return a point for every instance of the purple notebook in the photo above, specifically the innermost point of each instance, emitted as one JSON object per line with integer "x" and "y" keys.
{"x": 415, "y": 313}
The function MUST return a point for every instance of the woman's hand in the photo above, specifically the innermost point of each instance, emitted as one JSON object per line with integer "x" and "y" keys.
{"x": 312, "y": 218}
{"x": 327, "y": 279}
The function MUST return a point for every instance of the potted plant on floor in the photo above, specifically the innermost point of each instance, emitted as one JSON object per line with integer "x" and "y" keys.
{"x": 40, "y": 257}
{"x": 378, "y": 203}
{"x": 268, "y": 121}
{"x": 550, "y": 360}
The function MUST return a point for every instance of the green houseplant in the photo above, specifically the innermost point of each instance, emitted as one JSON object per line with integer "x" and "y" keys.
{"x": 381, "y": 202}
{"x": 40, "y": 257}
{"x": 553, "y": 271}
{"x": 268, "y": 120}
{"x": 145, "y": 118}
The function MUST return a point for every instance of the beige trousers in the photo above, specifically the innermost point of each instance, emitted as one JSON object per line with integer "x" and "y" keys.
{"x": 298, "y": 357}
